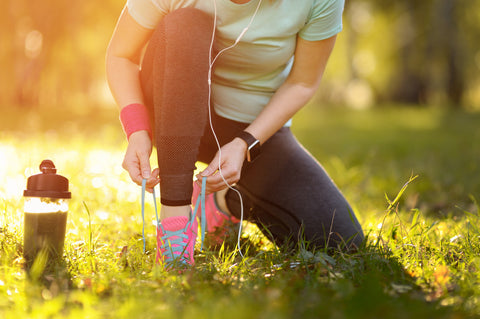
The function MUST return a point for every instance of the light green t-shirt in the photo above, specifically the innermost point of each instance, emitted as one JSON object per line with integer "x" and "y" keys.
{"x": 248, "y": 75}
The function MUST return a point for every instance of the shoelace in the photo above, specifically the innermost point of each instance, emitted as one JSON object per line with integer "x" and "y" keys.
{"x": 180, "y": 235}
{"x": 176, "y": 243}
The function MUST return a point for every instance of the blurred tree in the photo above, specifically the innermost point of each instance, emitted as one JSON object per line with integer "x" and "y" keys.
{"x": 446, "y": 51}
{"x": 410, "y": 75}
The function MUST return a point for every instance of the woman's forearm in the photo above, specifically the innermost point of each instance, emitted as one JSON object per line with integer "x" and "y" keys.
{"x": 123, "y": 79}
{"x": 287, "y": 101}
{"x": 123, "y": 59}
{"x": 310, "y": 61}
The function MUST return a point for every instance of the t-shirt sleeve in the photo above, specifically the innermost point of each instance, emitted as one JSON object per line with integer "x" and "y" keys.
{"x": 324, "y": 21}
{"x": 146, "y": 12}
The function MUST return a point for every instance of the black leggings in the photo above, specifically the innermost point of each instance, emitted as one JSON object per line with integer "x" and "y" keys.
{"x": 285, "y": 191}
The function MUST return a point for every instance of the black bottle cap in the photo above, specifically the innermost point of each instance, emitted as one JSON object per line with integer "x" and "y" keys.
{"x": 48, "y": 183}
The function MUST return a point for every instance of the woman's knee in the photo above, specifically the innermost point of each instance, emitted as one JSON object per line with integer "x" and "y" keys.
{"x": 187, "y": 23}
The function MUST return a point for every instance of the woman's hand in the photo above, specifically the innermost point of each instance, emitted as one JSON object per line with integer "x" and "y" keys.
{"x": 230, "y": 159}
{"x": 137, "y": 160}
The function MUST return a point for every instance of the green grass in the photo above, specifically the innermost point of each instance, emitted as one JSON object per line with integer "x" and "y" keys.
{"x": 412, "y": 175}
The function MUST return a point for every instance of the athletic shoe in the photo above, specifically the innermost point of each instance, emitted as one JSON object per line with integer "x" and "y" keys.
{"x": 217, "y": 223}
{"x": 176, "y": 237}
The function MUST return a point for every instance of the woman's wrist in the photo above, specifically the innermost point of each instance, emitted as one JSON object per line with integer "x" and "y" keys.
{"x": 242, "y": 145}
{"x": 134, "y": 117}
{"x": 139, "y": 135}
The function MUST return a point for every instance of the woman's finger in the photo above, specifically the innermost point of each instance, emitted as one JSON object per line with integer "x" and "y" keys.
{"x": 133, "y": 169}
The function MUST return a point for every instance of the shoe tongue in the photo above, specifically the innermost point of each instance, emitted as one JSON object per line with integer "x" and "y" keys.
{"x": 174, "y": 223}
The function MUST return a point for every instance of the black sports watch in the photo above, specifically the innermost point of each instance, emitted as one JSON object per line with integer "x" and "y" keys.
{"x": 253, "y": 145}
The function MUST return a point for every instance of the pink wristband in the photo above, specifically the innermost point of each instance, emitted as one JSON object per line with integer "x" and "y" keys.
{"x": 134, "y": 118}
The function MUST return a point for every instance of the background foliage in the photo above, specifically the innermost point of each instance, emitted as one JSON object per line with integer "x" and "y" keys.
{"x": 409, "y": 51}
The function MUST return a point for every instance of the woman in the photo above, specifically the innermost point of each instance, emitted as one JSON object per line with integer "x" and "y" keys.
{"x": 256, "y": 88}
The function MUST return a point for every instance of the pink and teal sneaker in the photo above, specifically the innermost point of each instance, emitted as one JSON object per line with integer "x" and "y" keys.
{"x": 217, "y": 224}
{"x": 176, "y": 237}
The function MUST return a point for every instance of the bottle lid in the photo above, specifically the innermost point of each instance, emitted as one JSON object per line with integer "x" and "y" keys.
{"x": 48, "y": 183}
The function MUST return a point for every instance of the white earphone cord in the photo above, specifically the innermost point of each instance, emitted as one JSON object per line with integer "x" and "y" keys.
{"x": 212, "y": 61}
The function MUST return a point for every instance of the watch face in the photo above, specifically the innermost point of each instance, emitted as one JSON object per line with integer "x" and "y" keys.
{"x": 253, "y": 151}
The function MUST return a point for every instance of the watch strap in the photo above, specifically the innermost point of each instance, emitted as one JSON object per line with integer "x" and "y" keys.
{"x": 247, "y": 137}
